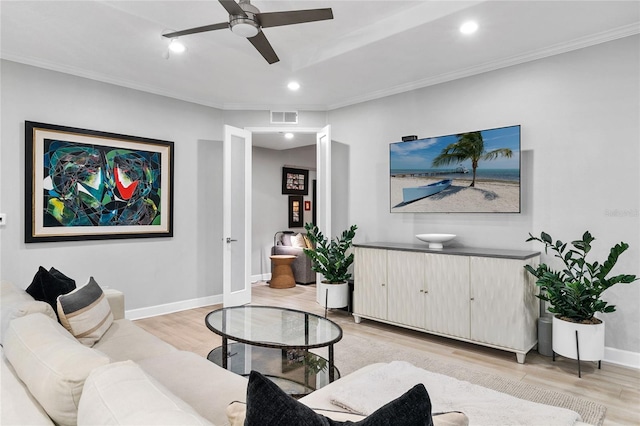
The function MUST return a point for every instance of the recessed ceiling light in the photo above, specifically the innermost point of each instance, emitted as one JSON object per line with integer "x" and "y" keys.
{"x": 469, "y": 27}
{"x": 294, "y": 85}
{"x": 288, "y": 135}
{"x": 176, "y": 46}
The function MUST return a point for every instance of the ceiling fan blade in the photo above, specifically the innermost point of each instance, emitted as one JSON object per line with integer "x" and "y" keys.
{"x": 212, "y": 27}
{"x": 263, "y": 46}
{"x": 232, "y": 7}
{"x": 276, "y": 19}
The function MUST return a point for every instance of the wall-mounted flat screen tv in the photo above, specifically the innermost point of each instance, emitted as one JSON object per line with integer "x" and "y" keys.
{"x": 472, "y": 172}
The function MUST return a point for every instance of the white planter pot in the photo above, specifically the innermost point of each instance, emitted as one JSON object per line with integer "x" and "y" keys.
{"x": 337, "y": 295}
{"x": 590, "y": 339}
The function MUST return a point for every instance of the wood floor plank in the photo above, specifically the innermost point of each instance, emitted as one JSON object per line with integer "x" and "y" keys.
{"x": 616, "y": 387}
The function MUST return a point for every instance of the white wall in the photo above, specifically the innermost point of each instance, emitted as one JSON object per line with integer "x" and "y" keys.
{"x": 580, "y": 139}
{"x": 151, "y": 271}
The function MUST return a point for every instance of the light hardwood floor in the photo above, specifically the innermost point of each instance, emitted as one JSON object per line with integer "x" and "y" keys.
{"x": 616, "y": 387}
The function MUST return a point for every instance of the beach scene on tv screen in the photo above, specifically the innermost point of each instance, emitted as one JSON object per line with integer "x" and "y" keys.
{"x": 472, "y": 172}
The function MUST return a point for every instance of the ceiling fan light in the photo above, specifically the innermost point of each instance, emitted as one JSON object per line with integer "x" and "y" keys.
{"x": 469, "y": 27}
{"x": 244, "y": 29}
{"x": 176, "y": 46}
{"x": 294, "y": 85}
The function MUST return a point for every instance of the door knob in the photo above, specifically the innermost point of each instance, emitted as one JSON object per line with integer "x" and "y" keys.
{"x": 229, "y": 240}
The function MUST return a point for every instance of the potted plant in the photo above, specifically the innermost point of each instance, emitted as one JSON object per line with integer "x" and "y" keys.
{"x": 330, "y": 259}
{"x": 574, "y": 294}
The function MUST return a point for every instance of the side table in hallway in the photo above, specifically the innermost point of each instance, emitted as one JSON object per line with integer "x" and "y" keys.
{"x": 281, "y": 273}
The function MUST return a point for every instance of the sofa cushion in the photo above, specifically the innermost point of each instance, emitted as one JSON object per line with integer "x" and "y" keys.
{"x": 286, "y": 239}
{"x": 85, "y": 312}
{"x": 46, "y": 286}
{"x": 52, "y": 364}
{"x": 19, "y": 407}
{"x": 16, "y": 303}
{"x": 122, "y": 394}
{"x": 297, "y": 241}
{"x": 124, "y": 340}
{"x": 268, "y": 405}
{"x": 205, "y": 386}
{"x": 308, "y": 242}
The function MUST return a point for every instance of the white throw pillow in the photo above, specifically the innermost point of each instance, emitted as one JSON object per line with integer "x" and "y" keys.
{"x": 52, "y": 364}
{"x": 85, "y": 312}
{"x": 298, "y": 241}
{"x": 122, "y": 394}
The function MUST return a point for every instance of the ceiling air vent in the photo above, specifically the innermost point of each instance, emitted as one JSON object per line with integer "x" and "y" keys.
{"x": 284, "y": 117}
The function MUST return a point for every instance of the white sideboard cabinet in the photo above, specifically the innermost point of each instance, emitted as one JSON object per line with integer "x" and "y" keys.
{"x": 483, "y": 296}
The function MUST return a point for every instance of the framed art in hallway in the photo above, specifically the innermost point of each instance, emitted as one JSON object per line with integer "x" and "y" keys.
{"x": 295, "y": 181}
{"x": 295, "y": 211}
{"x": 90, "y": 185}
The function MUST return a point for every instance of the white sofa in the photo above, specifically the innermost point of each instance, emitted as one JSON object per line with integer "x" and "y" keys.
{"x": 128, "y": 377}
{"x": 36, "y": 347}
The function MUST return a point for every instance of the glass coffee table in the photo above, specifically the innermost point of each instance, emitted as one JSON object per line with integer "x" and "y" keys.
{"x": 276, "y": 342}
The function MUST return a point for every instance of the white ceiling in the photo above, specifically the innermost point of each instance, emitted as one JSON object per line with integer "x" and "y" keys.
{"x": 372, "y": 48}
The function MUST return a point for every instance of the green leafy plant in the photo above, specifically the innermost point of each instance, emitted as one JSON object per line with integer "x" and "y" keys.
{"x": 330, "y": 257}
{"x": 574, "y": 292}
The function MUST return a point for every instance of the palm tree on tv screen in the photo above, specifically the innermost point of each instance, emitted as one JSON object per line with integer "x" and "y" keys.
{"x": 469, "y": 146}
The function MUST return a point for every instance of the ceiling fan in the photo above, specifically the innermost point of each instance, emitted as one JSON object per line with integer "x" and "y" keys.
{"x": 247, "y": 21}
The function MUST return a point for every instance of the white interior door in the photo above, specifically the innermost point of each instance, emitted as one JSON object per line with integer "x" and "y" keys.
{"x": 236, "y": 217}
{"x": 323, "y": 165}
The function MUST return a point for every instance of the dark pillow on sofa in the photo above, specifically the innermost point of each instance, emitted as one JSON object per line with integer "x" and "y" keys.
{"x": 47, "y": 286}
{"x": 268, "y": 405}
{"x": 71, "y": 283}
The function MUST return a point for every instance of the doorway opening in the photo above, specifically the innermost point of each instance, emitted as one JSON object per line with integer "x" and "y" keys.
{"x": 272, "y": 152}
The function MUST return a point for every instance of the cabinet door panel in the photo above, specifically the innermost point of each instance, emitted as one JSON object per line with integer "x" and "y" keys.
{"x": 447, "y": 284}
{"x": 405, "y": 288}
{"x": 370, "y": 279}
{"x": 504, "y": 309}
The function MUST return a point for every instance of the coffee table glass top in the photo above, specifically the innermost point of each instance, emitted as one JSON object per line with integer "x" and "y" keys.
{"x": 273, "y": 327}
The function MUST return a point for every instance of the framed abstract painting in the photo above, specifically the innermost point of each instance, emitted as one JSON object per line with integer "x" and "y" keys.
{"x": 90, "y": 185}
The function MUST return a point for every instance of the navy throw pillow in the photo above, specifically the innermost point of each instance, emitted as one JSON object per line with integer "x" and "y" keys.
{"x": 268, "y": 405}
{"x": 48, "y": 285}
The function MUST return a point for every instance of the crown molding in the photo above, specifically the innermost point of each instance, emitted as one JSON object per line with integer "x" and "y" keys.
{"x": 557, "y": 49}
{"x": 38, "y": 63}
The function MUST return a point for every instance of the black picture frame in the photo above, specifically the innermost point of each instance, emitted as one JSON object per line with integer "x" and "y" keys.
{"x": 295, "y": 181}
{"x": 85, "y": 184}
{"x": 296, "y": 211}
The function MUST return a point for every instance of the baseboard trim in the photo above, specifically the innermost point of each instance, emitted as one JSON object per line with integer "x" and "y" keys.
{"x": 620, "y": 357}
{"x": 260, "y": 277}
{"x": 168, "y": 308}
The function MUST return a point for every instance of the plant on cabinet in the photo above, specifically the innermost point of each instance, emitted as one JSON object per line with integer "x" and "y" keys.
{"x": 574, "y": 294}
{"x": 331, "y": 260}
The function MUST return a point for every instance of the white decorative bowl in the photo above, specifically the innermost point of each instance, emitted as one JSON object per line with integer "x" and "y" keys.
{"x": 435, "y": 240}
